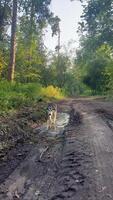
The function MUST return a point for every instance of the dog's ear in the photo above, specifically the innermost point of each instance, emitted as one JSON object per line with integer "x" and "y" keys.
{"x": 49, "y": 105}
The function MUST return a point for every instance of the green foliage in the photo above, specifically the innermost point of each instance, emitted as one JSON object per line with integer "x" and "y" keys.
{"x": 1, "y": 62}
{"x": 15, "y": 95}
{"x": 31, "y": 58}
{"x": 97, "y": 73}
{"x": 91, "y": 73}
{"x": 5, "y": 17}
{"x": 71, "y": 86}
{"x": 40, "y": 15}
{"x": 97, "y": 20}
{"x": 31, "y": 55}
{"x": 95, "y": 57}
{"x": 60, "y": 73}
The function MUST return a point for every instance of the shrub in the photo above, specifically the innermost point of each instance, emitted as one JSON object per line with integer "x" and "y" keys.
{"x": 15, "y": 95}
{"x": 52, "y": 91}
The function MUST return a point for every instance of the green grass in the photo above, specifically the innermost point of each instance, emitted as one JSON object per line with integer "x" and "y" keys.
{"x": 15, "y": 95}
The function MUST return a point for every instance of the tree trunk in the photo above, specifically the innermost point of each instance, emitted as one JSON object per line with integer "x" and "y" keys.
{"x": 11, "y": 68}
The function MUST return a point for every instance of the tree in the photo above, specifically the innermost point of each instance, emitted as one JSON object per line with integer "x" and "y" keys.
{"x": 5, "y": 17}
{"x": 94, "y": 57}
{"x": 37, "y": 14}
{"x": 98, "y": 77}
{"x": 11, "y": 67}
{"x": 97, "y": 20}
{"x": 31, "y": 54}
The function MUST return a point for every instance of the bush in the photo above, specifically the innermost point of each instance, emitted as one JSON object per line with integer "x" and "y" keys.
{"x": 52, "y": 91}
{"x": 15, "y": 95}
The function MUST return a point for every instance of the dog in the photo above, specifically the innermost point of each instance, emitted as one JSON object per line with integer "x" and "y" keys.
{"x": 51, "y": 115}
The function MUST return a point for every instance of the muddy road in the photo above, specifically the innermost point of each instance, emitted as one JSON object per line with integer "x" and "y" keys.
{"x": 75, "y": 162}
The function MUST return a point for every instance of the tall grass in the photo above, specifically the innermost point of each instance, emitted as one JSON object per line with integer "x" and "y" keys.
{"x": 15, "y": 95}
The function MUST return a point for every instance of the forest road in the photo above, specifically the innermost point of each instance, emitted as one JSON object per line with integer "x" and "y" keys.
{"x": 76, "y": 164}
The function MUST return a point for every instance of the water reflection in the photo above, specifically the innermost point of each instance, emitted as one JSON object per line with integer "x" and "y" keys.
{"x": 62, "y": 121}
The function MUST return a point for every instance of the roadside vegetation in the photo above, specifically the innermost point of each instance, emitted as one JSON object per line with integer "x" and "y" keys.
{"x": 29, "y": 73}
{"x": 14, "y": 96}
{"x": 95, "y": 55}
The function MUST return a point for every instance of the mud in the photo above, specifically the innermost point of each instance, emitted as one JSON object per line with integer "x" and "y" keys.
{"x": 74, "y": 163}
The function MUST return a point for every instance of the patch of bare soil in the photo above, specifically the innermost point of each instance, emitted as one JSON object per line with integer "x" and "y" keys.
{"x": 17, "y": 138}
{"x": 76, "y": 164}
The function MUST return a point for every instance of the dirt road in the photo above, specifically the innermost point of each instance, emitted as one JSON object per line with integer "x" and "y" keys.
{"x": 76, "y": 163}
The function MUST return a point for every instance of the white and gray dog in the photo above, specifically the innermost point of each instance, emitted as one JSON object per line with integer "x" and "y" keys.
{"x": 51, "y": 115}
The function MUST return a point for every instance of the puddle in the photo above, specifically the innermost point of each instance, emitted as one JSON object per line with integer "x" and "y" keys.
{"x": 62, "y": 121}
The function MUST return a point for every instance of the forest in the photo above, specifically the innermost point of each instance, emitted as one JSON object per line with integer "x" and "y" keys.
{"x": 29, "y": 72}
{"x": 56, "y": 106}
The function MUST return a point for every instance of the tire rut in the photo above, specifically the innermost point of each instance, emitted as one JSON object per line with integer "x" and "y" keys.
{"x": 73, "y": 175}
{"x": 78, "y": 166}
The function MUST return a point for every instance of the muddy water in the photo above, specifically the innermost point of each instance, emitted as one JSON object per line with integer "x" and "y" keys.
{"x": 29, "y": 172}
{"x": 78, "y": 166}
{"x": 62, "y": 121}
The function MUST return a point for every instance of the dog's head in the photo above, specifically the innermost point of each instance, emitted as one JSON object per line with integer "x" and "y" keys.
{"x": 49, "y": 111}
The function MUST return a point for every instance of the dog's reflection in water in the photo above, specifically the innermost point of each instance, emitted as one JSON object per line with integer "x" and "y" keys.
{"x": 51, "y": 116}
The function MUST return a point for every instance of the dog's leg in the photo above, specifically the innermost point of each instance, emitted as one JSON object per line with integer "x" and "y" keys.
{"x": 48, "y": 124}
{"x": 54, "y": 120}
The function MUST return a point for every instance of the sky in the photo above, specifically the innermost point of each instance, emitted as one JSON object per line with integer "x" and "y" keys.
{"x": 69, "y": 13}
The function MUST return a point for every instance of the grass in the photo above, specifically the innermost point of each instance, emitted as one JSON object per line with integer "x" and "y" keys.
{"x": 13, "y": 96}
